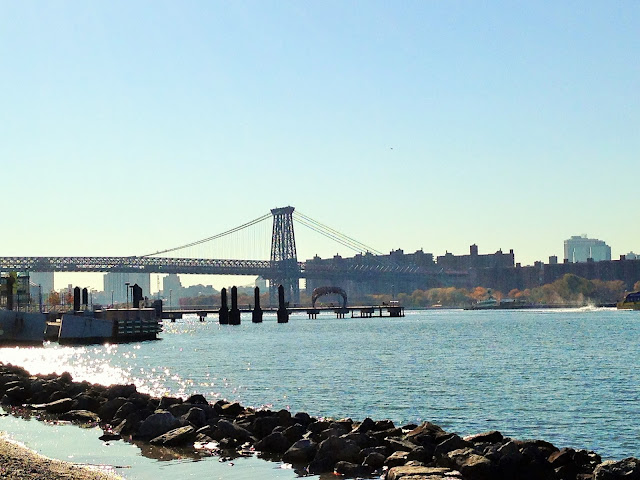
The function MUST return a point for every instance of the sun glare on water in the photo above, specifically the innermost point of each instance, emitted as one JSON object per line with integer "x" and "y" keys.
{"x": 87, "y": 363}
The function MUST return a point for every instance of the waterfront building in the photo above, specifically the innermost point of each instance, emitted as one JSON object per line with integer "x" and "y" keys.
{"x": 325, "y": 273}
{"x": 475, "y": 260}
{"x": 582, "y": 249}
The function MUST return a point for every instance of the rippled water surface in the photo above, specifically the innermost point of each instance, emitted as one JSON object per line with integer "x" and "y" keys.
{"x": 571, "y": 377}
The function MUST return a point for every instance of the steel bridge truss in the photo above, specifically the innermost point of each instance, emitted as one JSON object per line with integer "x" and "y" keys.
{"x": 263, "y": 268}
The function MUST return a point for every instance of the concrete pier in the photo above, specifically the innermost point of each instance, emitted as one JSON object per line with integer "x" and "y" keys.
{"x": 234, "y": 313}
{"x": 256, "y": 314}
{"x": 283, "y": 313}
{"x": 223, "y": 313}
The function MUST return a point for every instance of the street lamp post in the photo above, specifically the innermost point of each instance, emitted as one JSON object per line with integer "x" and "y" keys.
{"x": 111, "y": 298}
{"x": 127, "y": 287}
{"x": 170, "y": 304}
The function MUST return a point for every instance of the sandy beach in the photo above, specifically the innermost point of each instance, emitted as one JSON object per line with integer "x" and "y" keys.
{"x": 19, "y": 462}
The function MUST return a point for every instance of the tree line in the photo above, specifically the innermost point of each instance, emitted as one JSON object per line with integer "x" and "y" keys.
{"x": 570, "y": 289}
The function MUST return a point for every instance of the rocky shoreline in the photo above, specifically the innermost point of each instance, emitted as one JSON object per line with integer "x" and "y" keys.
{"x": 365, "y": 448}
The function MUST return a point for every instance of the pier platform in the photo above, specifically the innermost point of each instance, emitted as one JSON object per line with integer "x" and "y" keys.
{"x": 358, "y": 311}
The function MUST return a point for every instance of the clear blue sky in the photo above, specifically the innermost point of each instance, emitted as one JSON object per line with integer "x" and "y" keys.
{"x": 426, "y": 124}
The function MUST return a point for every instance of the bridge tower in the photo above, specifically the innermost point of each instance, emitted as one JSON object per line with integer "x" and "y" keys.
{"x": 284, "y": 259}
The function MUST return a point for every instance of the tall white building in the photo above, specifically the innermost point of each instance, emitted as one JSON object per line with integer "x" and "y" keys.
{"x": 581, "y": 249}
{"x": 115, "y": 284}
{"x": 44, "y": 279}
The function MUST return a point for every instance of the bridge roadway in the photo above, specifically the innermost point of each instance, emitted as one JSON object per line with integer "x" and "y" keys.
{"x": 263, "y": 268}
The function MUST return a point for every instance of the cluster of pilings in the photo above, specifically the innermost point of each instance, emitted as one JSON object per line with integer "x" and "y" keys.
{"x": 232, "y": 317}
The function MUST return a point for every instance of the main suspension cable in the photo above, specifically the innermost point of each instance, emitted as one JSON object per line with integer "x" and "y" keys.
{"x": 336, "y": 235}
{"x": 328, "y": 235}
{"x": 214, "y": 237}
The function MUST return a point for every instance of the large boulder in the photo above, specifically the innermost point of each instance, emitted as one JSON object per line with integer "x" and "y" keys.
{"x": 509, "y": 459}
{"x": 627, "y": 469}
{"x": 333, "y": 450}
{"x": 16, "y": 394}
{"x": 397, "y": 459}
{"x": 226, "y": 429}
{"x": 166, "y": 402}
{"x": 409, "y": 472}
{"x": 229, "y": 409}
{"x": 427, "y": 433}
{"x": 294, "y": 432}
{"x": 275, "y": 442}
{"x": 302, "y": 418}
{"x": 80, "y": 416}
{"x": 196, "y": 417}
{"x": 364, "y": 426}
{"x": 108, "y": 410}
{"x": 352, "y": 470}
{"x": 88, "y": 402}
{"x": 453, "y": 442}
{"x": 197, "y": 399}
{"x": 301, "y": 452}
{"x": 141, "y": 400}
{"x": 124, "y": 411}
{"x": 486, "y": 437}
{"x": 115, "y": 391}
{"x": 59, "y": 406}
{"x": 157, "y": 424}
{"x": 319, "y": 426}
{"x": 471, "y": 465}
{"x": 374, "y": 460}
{"x": 421, "y": 454}
{"x": 362, "y": 439}
{"x": 263, "y": 426}
{"x": 398, "y": 444}
{"x": 175, "y": 437}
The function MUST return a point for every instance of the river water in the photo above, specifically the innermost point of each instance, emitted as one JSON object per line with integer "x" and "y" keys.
{"x": 571, "y": 377}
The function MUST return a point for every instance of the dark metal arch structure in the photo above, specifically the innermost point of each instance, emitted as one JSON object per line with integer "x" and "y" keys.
{"x": 320, "y": 291}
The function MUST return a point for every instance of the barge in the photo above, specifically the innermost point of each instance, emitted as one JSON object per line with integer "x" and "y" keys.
{"x": 110, "y": 325}
{"x": 22, "y": 328}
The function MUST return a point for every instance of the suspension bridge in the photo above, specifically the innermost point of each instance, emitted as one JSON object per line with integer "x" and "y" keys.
{"x": 282, "y": 268}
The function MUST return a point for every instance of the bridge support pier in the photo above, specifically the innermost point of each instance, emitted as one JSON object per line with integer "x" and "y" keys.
{"x": 283, "y": 313}
{"x": 223, "y": 314}
{"x": 234, "y": 314}
{"x": 256, "y": 314}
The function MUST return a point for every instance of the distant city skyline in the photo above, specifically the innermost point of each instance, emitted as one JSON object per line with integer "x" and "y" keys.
{"x": 130, "y": 127}
{"x": 580, "y": 246}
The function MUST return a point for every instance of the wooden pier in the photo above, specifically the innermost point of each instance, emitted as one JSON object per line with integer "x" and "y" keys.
{"x": 232, "y": 316}
{"x": 368, "y": 311}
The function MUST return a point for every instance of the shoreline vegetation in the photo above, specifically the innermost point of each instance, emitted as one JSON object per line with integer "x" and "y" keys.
{"x": 366, "y": 448}
{"x": 568, "y": 291}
